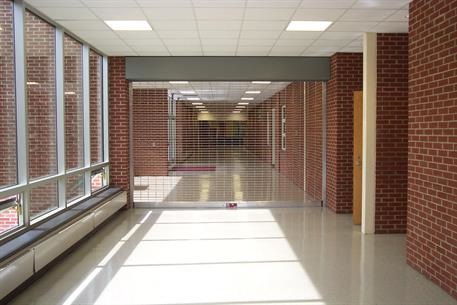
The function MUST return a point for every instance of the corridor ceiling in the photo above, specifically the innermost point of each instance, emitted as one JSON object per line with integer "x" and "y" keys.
{"x": 219, "y": 91}
{"x": 226, "y": 27}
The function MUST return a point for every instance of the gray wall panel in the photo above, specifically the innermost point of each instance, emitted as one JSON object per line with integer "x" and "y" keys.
{"x": 221, "y": 68}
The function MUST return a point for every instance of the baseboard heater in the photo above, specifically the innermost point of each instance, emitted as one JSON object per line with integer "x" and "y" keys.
{"x": 23, "y": 265}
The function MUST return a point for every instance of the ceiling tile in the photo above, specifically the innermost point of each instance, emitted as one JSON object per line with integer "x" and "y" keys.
{"x": 178, "y": 34}
{"x": 214, "y": 25}
{"x": 300, "y": 35}
{"x": 137, "y": 34}
{"x": 252, "y": 52}
{"x": 181, "y": 41}
{"x": 341, "y": 35}
{"x": 183, "y": 48}
{"x": 265, "y": 25}
{"x": 219, "y": 34}
{"x": 352, "y": 49}
{"x": 76, "y": 25}
{"x": 391, "y": 27}
{"x": 164, "y": 3}
{"x": 268, "y": 14}
{"x": 382, "y": 4}
{"x": 219, "y": 3}
{"x": 186, "y": 53}
{"x": 341, "y": 26}
{"x": 319, "y": 53}
{"x": 153, "y": 53}
{"x": 273, "y": 3}
{"x": 323, "y": 49}
{"x": 366, "y": 15}
{"x": 225, "y": 13}
{"x": 400, "y": 15}
{"x": 109, "y": 3}
{"x": 260, "y": 34}
{"x": 154, "y": 49}
{"x": 275, "y": 52}
{"x": 184, "y": 25}
{"x": 331, "y": 43}
{"x": 220, "y": 53}
{"x": 54, "y": 3}
{"x": 86, "y": 34}
{"x": 318, "y": 14}
{"x": 294, "y": 42}
{"x": 167, "y": 13}
{"x": 68, "y": 13}
{"x": 144, "y": 42}
{"x": 257, "y": 42}
{"x": 119, "y": 13}
{"x": 219, "y": 42}
{"x": 327, "y": 4}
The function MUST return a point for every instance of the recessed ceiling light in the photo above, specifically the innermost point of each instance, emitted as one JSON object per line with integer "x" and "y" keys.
{"x": 239, "y": 106}
{"x": 128, "y": 25}
{"x": 187, "y": 92}
{"x": 196, "y": 104}
{"x": 204, "y": 111}
{"x": 234, "y": 111}
{"x": 70, "y": 93}
{"x": 247, "y": 98}
{"x": 243, "y": 103}
{"x": 190, "y": 98}
{"x": 261, "y": 82}
{"x": 178, "y": 82}
{"x": 32, "y": 83}
{"x": 311, "y": 26}
{"x": 200, "y": 107}
{"x": 252, "y": 92}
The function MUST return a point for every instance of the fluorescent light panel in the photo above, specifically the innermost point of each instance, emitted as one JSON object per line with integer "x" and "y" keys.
{"x": 310, "y": 26}
{"x": 247, "y": 98}
{"x": 205, "y": 111}
{"x": 32, "y": 83}
{"x": 187, "y": 92}
{"x": 196, "y": 104}
{"x": 243, "y": 103}
{"x": 193, "y": 98}
{"x": 252, "y": 92}
{"x": 261, "y": 82}
{"x": 178, "y": 82}
{"x": 200, "y": 107}
{"x": 239, "y": 106}
{"x": 128, "y": 25}
{"x": 70, "y": 93}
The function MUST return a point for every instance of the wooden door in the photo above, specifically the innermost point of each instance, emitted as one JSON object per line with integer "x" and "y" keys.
{"x": 358, "y": 148}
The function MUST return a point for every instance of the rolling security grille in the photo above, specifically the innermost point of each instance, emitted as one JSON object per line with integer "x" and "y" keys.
{"x": 209, "y": 151}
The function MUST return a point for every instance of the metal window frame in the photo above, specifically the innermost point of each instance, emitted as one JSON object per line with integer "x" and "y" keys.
{"x": 24, "y": 185}
{"x": 283, "y": 127}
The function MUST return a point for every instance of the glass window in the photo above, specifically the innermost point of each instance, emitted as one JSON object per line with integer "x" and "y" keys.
{"x": 95, "y": 84}
{"x": 10, "y": 213}
{"x": 74, "y": 118}
{"x": 43, "y": 199}
{"x": 75, "y": 187}
{"x": 8, "y": 172}
{"x": 98, "y": 179}
{"x": 41, "y": 90}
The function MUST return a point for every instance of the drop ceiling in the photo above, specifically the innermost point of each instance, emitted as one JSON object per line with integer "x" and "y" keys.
{"x": 226, "y": 27}
{"x": 217, "y": 92}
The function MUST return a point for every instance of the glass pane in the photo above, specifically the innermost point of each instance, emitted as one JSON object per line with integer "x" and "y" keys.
{"x": 40, "y": 50}
{"x": 75, "y": 187}
{"x": 9, "y": 216}
{"x": 43, "y": 199}
{"x": 74, "y": 133}
{"x": 98, "y": 180}
{"x": 8, "y": 173}
{"x": 96, "y": 137}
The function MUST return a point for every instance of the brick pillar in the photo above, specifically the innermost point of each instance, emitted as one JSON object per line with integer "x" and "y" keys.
{"x": 391, "y": 133}
{"x": 432, "y": 145}
{"x": 119, "y": 124}
{"x": 345, "y": 78}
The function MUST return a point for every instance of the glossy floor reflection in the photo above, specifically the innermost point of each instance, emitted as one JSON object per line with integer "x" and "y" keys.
{"x": 245, "y": 256}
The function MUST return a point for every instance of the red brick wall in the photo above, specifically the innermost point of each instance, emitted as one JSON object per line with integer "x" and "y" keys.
{"x": 150, "y": 132}
{"x": 346, "y": 76}
{"x": 391, "y": 133}
{"x": 186, "y": 131}
{"x": 95, "y": 105}
{"x": 7, "y": 97}
{"x": 432, "y": 145}
{"x": 118, "y": 124}
{"x": 314, "y": 140}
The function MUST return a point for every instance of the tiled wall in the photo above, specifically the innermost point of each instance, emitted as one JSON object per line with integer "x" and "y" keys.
{"x": 150, "y": 132}
{"x": 432, "y": 144}
{"x": 391, "y": 133}
{"x": 345, "y": 77}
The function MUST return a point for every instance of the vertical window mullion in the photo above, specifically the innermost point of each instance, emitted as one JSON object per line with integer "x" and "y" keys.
{"x": 21, "y": 105}
{"x": 105, "y": 118}
{"x": 86, "y": 111}
{"x": 60, "y": 117}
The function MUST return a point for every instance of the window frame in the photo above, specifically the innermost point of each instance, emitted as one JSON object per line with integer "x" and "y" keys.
{"x": 283, "y": 127}
{"x": 24, "y": 184}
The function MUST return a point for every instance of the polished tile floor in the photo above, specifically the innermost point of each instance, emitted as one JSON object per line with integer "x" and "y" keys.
{"x": 282, "y": 256}
{"x": 240, "y": 181}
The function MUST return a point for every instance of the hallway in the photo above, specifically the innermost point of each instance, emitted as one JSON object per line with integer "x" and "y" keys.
{"x": 245, "y": 256}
